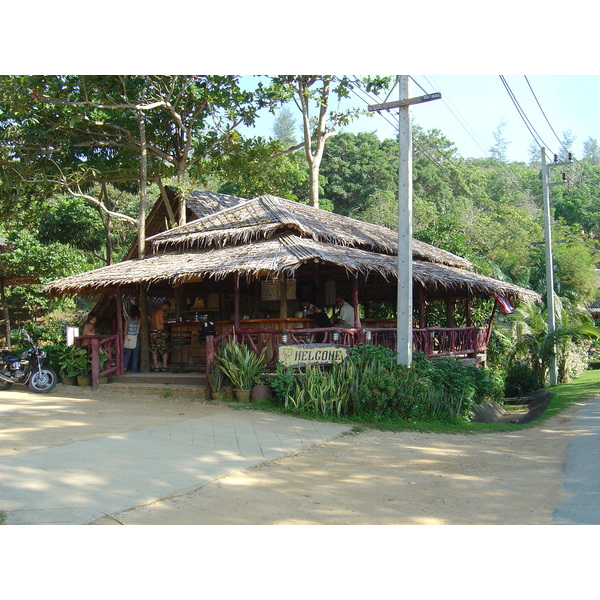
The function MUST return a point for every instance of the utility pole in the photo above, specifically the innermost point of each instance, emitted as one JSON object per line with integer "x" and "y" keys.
{"x": 405, "y": 187}
{"x": 548, "y": 249}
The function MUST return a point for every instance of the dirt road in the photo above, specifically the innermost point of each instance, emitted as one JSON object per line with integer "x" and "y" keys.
{"x": 367, "y": 478}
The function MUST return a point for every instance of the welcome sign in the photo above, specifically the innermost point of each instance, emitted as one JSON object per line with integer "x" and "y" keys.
{"x": 312, "y": 354}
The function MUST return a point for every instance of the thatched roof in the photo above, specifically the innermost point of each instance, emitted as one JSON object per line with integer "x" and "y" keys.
{"x": 284, "y": 253}
{"x": 266, "y": 216}
{"x": 203, "y": 203}
{"x": 198, "y": 205}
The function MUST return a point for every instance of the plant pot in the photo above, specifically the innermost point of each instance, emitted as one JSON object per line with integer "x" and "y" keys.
{"x": 260, "y": 392}
{"x": 87, "y": 380}
{"x": 217, "y": 395}
{"x": 69, "y": 380}
{"x": 243, "y": 395}
{"x": 229, "y": 392}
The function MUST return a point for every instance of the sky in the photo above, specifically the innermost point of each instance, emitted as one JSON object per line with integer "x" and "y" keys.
{"x": 473, "y": 107}
{"x": 465, "y": 43}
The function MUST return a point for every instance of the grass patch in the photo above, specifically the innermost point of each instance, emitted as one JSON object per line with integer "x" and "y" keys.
{"x": 2, "y": 518}
{"x": 584, "y": 388}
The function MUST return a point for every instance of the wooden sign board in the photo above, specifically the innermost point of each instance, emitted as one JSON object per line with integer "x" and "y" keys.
{"x": 270, "y": 290}
{"x": 312, "y": 354}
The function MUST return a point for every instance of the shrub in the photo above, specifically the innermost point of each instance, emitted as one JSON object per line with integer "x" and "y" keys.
{"x": 371, "y": 381}
{"x": 521, "y": 380}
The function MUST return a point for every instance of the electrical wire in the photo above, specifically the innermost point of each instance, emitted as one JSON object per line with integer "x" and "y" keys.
{"x": 536, "y": 136}
{"x": 582, "y": 165}
{"x": 463, "y": 123}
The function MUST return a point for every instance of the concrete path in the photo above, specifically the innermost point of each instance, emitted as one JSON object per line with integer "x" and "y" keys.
{"x": 582, "y": 470}
{"x": 83, "y": 481}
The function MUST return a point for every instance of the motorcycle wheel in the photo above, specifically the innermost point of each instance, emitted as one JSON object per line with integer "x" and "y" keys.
{"x": 44, "y": 382}
{"x": 4, "y": 385}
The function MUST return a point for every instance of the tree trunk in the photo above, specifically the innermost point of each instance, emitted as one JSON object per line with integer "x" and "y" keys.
{"x": 314, "y": 158}
{"x": 6, "y": 313}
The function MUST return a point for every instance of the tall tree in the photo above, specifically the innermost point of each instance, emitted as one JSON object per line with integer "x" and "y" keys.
{"x": 284, "y": 128}
{"x": 498, "y": 150}
{"x": 78, "y": 129}
{"x": 312, "y": 93}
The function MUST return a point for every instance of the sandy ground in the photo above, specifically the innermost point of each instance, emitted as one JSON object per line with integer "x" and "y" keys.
{"x": 371, "y": 477}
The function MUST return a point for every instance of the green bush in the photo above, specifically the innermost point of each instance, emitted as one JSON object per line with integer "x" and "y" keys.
{"x": 372, "y": 382}
{"x": 521, "y": 380}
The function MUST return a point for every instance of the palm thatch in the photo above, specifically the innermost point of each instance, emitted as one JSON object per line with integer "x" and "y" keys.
{"x": 284, "y": 253}
{"x": 266, "y": 216}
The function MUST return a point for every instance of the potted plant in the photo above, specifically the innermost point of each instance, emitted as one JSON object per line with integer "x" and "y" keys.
{"x": 216, "y": 382}
{"x": 74, "y": 366}
{"x": 242, "y": 366}
{"x": 262, "y": 388}
{"x": 81, "y": 366}
{"x": 68, "y": 369}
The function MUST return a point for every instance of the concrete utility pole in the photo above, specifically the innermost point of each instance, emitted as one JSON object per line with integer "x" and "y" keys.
{"x": 405, "y": 187}
{"x": 548, "y": 247}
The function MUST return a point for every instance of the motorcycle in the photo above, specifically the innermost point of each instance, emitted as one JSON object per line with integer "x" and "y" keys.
{"x": 26, "y": 369}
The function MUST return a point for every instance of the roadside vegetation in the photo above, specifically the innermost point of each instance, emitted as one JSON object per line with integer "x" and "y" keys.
{"x": 432, "y": 417}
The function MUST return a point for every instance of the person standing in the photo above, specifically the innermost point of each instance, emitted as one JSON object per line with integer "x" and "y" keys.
{"x": 89, "y": 327}
{"x": 131, "y": 343}
{"x": 159, "y": 340}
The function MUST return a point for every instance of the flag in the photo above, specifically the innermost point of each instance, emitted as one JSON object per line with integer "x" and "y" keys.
{"x": 505, "y": 306}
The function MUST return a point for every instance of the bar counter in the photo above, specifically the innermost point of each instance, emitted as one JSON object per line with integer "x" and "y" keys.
{"x": 192, "y": 356}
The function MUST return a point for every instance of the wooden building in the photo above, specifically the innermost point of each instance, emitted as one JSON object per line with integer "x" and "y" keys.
{"x": 245, "y": 265}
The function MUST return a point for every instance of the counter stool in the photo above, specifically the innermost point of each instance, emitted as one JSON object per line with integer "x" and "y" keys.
{"x": 179, "y": 339}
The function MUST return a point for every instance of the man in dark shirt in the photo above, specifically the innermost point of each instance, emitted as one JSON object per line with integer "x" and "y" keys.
{"x": 321, "y": 319}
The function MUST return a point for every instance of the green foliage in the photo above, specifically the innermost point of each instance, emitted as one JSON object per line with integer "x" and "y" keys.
{"x": 282, "y": 384}
{"x": 74, "y": 362}
{"x": 521, "y": 380}
{"x": 241, "y": 365}
{"x": 73, "y": 222}
{"x": 371, "y": 382}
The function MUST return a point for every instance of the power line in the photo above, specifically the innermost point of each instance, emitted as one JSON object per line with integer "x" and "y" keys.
{"x": 458, "y": 116}
{"x": 536, "y": 136}
{"x": 582, "y": 165}
{"x": 543, "y": 113}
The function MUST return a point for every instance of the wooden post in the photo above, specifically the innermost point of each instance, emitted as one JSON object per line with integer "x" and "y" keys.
{"x": 119, "y": 342}
{"x": 355, "y": 302}
{"x": 144, "y": 332}
{"x": 6, "y": 314}
{"x": 95, "y": 351}
{"x": 236, "y": 301}
{"x": 283, "y": 311}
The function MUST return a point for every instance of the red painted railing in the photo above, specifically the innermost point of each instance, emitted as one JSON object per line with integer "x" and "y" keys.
{"x": 109, "y": 346}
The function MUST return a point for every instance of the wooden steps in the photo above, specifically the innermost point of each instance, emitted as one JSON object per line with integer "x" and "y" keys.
{"x": 186, "y": 385}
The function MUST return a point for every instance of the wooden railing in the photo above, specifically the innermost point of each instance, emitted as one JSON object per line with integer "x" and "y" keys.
{"x": 109, "y": 346}
{"x": 433, "y": 341}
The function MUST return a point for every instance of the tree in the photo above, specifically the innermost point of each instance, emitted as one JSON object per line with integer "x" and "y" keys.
{"x": 84, "y": 129}
{"x": 312, "y": 92}
{"x": 566, "y": 145}
{"x": 498, "y": 150}
{"x": 284, "y": 128}
{"x": 591, "y": 151}
{"x": 355, "y": 168}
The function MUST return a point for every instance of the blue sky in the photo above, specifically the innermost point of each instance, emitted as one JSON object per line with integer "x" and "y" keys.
{"x": 473, "y": 107}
